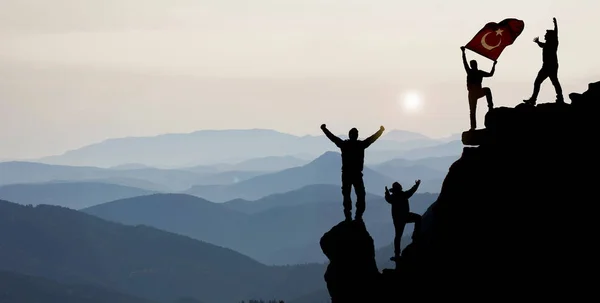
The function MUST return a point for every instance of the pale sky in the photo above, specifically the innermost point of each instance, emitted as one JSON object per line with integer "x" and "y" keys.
{"x": 76, "y": 72}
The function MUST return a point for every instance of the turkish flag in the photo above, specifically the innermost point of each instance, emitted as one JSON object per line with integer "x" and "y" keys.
{"x": 491, "y": 40}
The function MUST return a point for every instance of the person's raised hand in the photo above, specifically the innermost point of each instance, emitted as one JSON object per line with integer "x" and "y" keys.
{"x": 536, "y": 39}
{"x": 418, "y": 182}
{"x": 382, "y": 128}
{"x": 554, "y": 20}
{"x": 323, "y": 126}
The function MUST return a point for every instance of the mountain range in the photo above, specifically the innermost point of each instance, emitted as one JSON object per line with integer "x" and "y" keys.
{"x": 278, "y": 229}
{"x": 323, "y": 170}
{"x": 71, "y": 247}
{"x": 18, "y": 288}
{"x": 208, "y": 147}
{"x": 37, "y": 183}
{"x": 75, "y": 195}
{"x": 152, "y": 179}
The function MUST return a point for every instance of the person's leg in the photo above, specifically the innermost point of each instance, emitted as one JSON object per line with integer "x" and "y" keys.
{"x": 347, "y": 194}
{"x": 541, "y": 76}
{"x": 553, "y": 75}
{"x": 473, "y": 109}
{"x": 399, "y": 229}
{"x": 359, "y": 188}
{"x": 416, "y": 219}
{"x": 487, "y": 92}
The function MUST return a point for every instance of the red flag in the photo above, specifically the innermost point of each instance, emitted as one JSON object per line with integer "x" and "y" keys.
{"x": 491, "y": 40}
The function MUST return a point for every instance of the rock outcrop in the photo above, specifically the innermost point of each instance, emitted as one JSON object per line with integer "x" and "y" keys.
{"x": 514, "y": 216}
{"x": 352, "y": 272}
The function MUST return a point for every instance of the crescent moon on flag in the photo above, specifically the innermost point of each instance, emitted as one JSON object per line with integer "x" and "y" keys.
{"x": 487, "y": 46}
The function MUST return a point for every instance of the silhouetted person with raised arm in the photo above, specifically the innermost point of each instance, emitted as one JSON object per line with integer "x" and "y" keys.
{"x": 353, "y": 155}
{"x": 474, "y": 86}
{"x": 549, "y": 65}
{"x": 401, "y": 213}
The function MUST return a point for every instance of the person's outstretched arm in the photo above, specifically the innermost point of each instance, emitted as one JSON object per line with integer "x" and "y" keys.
{"x": 491, "y": 73}
{"x": 413, "y": 189}
{"x": 368, "y": 141}
{"x": 537, "y": 41}
{"x": 331, "y": 136}
{"x": 464, "y": 59}
{"x": 555, "y": 27}
{"x": 388, "y": 197}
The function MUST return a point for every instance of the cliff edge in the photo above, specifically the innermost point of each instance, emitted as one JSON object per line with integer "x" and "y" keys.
{"x": 514, "y": 216}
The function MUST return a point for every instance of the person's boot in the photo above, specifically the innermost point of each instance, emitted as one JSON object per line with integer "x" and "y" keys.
{"x": 395, "y": 258}
{"x": 560, "y": 99}
{"x": 490, "y": 106}
{"x": 530, "y": 101}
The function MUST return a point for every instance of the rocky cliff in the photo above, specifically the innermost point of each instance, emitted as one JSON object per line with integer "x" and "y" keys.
{"x": 513, "y": 219}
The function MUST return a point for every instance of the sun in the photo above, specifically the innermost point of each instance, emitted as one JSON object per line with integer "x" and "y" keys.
{"x": 411, "y": 102}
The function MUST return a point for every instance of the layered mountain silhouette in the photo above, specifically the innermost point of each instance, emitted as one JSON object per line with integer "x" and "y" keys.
{"x": 316, "y": 193}
{"x": 146, "y": 178}
{"x": 153, "y": 179}
{"x": 265, "y": 164}
{"x": 128, "y": 166}
{"x": 17, "y": 288}
{"x": 208, "y": 147}
{"x": 177, "y": 213}
{"x": 227, "y": 177}
{"x": 404, "y": 136}
{"x": 500, "y": 221}
{"x": 430, "y": 170}
{"x": 434, "y": 163}
{"x": 71, "y": 247}
{"x": 279, "y": 229}
{"x": 75, "y": 195}
{"x": 448, "y": 149}
{"x": 323, "y": 170}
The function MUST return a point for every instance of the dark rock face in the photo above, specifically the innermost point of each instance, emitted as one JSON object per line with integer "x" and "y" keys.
{"x": 514, "y": 217}
{"x": 352, "y": 272}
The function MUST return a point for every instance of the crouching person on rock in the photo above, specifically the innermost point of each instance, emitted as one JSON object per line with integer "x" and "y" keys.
{"x": 401, "y": 213}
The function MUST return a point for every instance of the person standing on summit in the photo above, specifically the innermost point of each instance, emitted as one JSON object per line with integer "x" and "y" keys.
{"x": 474, "y": 86}
{"x": 353, "y": 154}
{"x": 549, "y": 65}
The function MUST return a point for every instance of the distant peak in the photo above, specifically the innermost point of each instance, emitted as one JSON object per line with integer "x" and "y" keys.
{"x": 404, "y": 135}
{"x": 330, "y": 154}
{"x": 326, "y": 157}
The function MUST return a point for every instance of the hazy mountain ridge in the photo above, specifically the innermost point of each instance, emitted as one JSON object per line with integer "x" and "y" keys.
{"x": 18, "y": 288}
{"x": 154, "y": 179}
{"x": 278, "y": 229}
{"x": 72, "y": 247}
{"x": 326, "y": 169}
{"x": 266, "y": 164}
{"x": 314, "y": 193}
{"x": 215, "y": 146}
{"x": 216, "y": 187}
{"x": 32, "y": 172}
{"x": 74, "y": 195}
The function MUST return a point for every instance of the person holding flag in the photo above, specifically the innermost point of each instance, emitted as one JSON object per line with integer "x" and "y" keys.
{"x": 489, "y": 42}
{"x": 476, "y": 91}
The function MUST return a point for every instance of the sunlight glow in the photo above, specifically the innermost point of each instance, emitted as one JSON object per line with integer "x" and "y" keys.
{"x": 411, "y": 102}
